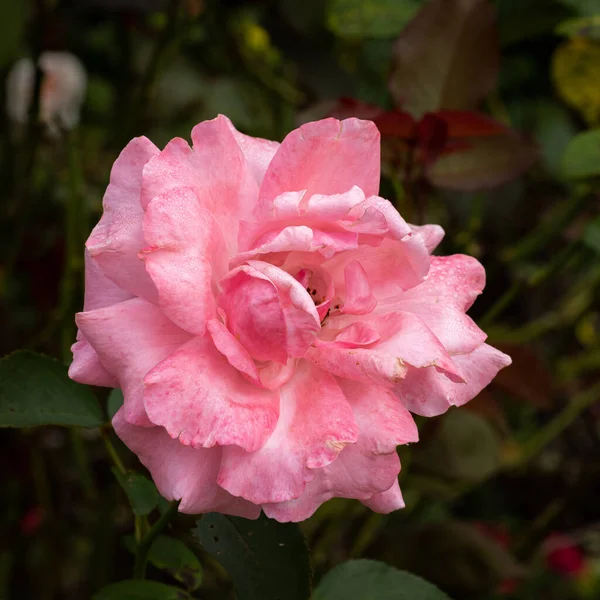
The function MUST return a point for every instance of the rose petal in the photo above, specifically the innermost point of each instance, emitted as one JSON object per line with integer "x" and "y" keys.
{"x": 315, "y": 423}
{"x": 200, "y": 399}
{"x": 359, "y": 298}
{"x": 429, "y": 393}
{"x": 131, "y": 338}
{"x": 182, "y": 473}
{"x": 325, "y": 157}
{"x": 116, "y": 240}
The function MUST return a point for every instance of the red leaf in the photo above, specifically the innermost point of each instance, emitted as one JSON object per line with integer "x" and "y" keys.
{"x": 432, "y": 137}
{"x": 446, "y": 57}
{"x": 396, "y": 123}
{"x": 462, "y": 123}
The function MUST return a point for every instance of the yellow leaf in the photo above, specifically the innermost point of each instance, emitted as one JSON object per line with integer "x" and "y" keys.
{"x": 576, "y": 72}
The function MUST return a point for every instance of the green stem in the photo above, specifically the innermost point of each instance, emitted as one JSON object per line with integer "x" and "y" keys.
{"x": 556, "y": 426}
{"x": 141, "y": 555}
{"x": 112, "y": 451}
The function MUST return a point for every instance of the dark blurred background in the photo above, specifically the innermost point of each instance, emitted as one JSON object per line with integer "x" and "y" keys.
{"x": 488, "y": 112}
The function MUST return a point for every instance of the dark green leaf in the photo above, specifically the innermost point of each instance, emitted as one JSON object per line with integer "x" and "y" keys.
{"x": 582, "y": 156}
{"x": 135, "y": 589}
{"x": 370, "y": 18}
{"x": 266, "y": 560}
{"x": 373, "y": 580}
{"x": 114, "y": 402}
{"x": 36, "y": 390}
{"x": 173, "y": 556}
{"x": 142, "y": 493}
{"x": 13, "y": 17}
{"x": 446, "y": 57}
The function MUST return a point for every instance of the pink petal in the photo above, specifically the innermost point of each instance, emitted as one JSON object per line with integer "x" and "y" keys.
{"x": 86, "y": 366}
{"x": 182, "y": 473}
{"x": 362, "y": 470}
{"x": 429, "y": 393}
{"x": 315, "y": 423}
{"x": 200, "y": 399}
{"x": 229, "y": 346}
{"x": 130, "y": 339}
{"x": 116, "y": 240}
{"x": 325, "y": 157}
{"x": 392, "y": 267}
{"x": 258, "y": 152}
{"x": 432, "y": 235}
{"x": 215, "y": 169}
{"x": 356, "y": 335}
{"x": 359, "y": 299}
{"x": 396, "y": 226}
{"x": 269, "y": 311}
{"x": 456, "y": 280}
{"x": 185, "y": 257}
{"x": 386, "y": 502}
{"x": 99, "y": 292}
{"x": 404, "y": 340}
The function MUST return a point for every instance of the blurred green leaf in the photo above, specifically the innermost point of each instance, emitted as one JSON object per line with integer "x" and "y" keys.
{"x": 464, "y": 447}
{"x": 591, "y": 235}
{"x": 266, "y": 560}
{"x": 141, "y": 492}
{"x": 456, "y": 556}
{"x": 370, "y": 580}
{"x": 114, "y": 402}
{"x": 488, "y": 162}
{"x": 135, "y": 589}
{"x": 36, "y": 390}
{"x": 582, "y": 156}
{"x": 447, "y": 57}
{"x": 583, "y": 8}
{"x": 173, "y": 556}
{"x": 370, "y": 18}
{"x": 13, "y": 17}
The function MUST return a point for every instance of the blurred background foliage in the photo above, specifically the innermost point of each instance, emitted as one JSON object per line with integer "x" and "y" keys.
{"x": 490, "y": 116}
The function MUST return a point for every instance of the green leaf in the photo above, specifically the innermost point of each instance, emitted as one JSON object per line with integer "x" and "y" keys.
{"x": 465, "y": 447}
{"x": 370, "y": 580}
{"x": 136, "y": 589}
{"x": 370, "y": 18}
{"x": 591, "y": 235}
{"x": 583, "y": 8}
{"x": 582, "y": 156}
{"x": 266, "y": 560}
{"x": 36, "y": 390}
{"x": 446, "y": 58}
{"x": 114, "y": 402}
{"x": 173, "y": 556}
{"x": 141, "y": 492}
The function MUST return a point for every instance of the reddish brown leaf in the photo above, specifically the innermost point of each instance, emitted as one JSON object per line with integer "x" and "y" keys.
{"x": 396, "y": 123}
{"x": 528, "y": 378}
{"x": 432, "y": 137}
{"x": 446, "y": 57}
{"x": 463, "y": 123}
{"x": 343, "y": 108}
{"x": 490, "y": 161}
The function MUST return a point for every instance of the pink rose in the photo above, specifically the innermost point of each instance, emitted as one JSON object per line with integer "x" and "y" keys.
{"x": 271, "y": 320}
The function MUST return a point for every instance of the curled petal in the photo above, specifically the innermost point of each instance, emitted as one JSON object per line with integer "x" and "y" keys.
{"x": 182, "y": 473}
{"x": 432, "y": 235}
{"x": 201, "y": 400}
{"x": 359, "y": 298}
{"x": 429, "y": 393}
{"x": 386, "y": 502}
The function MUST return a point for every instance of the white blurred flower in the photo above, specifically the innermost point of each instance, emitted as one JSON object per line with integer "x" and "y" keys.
{"x": 62, "y": 93}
